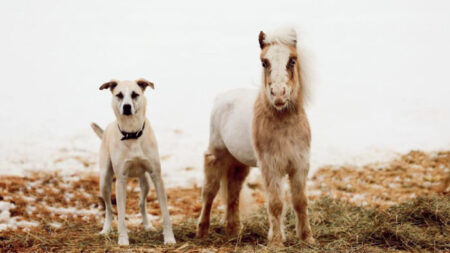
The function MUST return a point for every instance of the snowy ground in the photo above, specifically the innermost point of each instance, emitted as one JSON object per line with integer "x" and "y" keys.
{"x": 378, "y": 71}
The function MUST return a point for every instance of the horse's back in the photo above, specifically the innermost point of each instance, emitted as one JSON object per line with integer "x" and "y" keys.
{"x": 231, "y": 124}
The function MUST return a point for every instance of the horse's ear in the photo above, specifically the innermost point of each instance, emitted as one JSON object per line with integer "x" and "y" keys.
{"x": 293, "y": 35}
{"x": 109, "y": 85}
{"x": 144, "y": 83}
{"x": 262, "y": 37}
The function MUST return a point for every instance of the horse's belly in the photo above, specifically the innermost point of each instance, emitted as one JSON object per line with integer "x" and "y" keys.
{"x": 237, "y": 125}
{"x": 242, "y": 149}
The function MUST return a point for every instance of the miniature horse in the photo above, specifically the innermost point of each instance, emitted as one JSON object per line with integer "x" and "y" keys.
{"x": 267, "y": 129}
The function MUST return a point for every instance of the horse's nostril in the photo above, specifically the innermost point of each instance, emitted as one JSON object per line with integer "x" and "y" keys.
{"x": 271, "y": 92}
{"x": 284, "y": 91}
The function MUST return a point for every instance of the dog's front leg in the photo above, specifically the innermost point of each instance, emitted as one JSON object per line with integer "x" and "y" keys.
{"x": 121, "y": 195}
{"x": 162, "y": 199}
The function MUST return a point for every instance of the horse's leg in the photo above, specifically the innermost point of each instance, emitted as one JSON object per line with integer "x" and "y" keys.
{"x": 297, "y": 181}
{"x": 235, "y": 178}
{"x": 213, "y": 175}
{"x": 272, "y": 182}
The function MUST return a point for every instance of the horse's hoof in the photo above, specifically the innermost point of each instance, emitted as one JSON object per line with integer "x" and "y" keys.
{"x": 202, "y": 230}
{"x": 201, "y": 234}
{"x": 275, "y": 244}
{"x": 233, "y": 230}
{"x": 309, "y": 240}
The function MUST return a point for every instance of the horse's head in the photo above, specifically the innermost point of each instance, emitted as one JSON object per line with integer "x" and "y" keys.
{"x": 281, "y": 70}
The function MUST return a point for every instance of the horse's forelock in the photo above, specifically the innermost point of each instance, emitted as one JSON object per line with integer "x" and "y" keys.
{"x": 287, "y": 36}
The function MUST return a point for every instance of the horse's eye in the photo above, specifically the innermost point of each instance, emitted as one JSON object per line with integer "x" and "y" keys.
{"x": 134, "y": 95}
{"x": 265, "y": 63}
{"x": 292, "y": 62}
{"x": 119, "y": 95}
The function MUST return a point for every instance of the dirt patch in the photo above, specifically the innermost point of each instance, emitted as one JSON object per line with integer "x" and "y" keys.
{"x": 377, "y": 207}
{"x": 384, "y": 184}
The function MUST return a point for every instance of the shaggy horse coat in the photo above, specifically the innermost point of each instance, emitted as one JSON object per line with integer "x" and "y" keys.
{"x": 266, "y": 128}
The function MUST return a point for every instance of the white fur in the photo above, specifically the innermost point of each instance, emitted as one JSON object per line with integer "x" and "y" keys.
{"x": 231, "y": 124}
{"x": 278, "y": 57}
{"x": 130, "y": 158}
{"x": 284, "y": 35}
{"x": 231, "y": 129}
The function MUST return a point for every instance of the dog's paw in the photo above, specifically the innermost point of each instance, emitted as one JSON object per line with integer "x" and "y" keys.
{"x": 105, "y": 231}
{"x": 169, "y": 240}
{"x": 123, "y": 240}
{"x": 149, "y": 227}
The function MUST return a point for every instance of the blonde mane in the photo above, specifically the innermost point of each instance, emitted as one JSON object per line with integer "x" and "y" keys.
{"x": 285, "y": 35}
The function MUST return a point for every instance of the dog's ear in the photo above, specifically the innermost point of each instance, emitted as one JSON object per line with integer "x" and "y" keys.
{"x": 144, "y": 83}
{"x": 109, "y": 85}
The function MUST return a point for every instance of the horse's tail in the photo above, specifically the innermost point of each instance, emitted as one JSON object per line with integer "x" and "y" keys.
{"x": 246, "y": 204}
{"x": 223, "y": 191}
{"x": 98, "y": 130}
{"x": 227, "y": 167}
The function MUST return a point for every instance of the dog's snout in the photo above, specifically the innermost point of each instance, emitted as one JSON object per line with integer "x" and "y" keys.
{"x": 127, "y": 109}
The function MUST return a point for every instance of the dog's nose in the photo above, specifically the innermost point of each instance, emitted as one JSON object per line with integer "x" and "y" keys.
{"x": 127, "y": 109}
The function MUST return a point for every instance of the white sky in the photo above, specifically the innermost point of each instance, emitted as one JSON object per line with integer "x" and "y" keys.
{"x": 379, "y": 70}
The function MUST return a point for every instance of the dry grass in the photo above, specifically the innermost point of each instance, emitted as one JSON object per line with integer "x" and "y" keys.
{"x": 415, "y": 225}
{"x": 384, "y": 184}
{"x": 397, "y": 209}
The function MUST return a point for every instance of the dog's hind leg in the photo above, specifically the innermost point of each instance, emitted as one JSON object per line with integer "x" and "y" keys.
{"x": 106, "y": 179}
{"x": 144, "y": 183}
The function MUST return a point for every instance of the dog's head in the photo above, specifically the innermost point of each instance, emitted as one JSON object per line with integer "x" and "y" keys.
{"x": 128, "y": 98}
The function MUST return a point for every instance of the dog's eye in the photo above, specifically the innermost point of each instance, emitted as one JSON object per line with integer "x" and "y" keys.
{"x": 119, "y": 95}
{"x": 134, "y": 95}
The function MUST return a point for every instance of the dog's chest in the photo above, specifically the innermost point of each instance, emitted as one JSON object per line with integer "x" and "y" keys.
{"x": 135, "y": 160}
{"x": 135, "y": 167}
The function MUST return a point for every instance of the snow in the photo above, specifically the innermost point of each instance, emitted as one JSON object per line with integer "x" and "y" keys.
{"x": 378, "y": 72}
{"x": 73, "y": 211}
{"x": 8, "y": 222}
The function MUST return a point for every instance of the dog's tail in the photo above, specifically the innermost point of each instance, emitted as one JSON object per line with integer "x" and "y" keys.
{"x": 98, "y": 130}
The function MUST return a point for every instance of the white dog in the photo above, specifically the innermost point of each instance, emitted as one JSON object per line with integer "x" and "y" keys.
{"x": 129, "y": 149}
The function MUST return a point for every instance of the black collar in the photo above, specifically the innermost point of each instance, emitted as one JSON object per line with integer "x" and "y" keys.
{"x": 132, "y": 135}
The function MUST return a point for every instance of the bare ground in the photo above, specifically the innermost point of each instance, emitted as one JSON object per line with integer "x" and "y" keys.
{"x": 393, "y": 206}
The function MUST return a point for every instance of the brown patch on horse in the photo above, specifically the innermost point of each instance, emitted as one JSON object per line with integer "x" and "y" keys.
{"x": 281, "y": 140}
{"x": 261, "y": 38}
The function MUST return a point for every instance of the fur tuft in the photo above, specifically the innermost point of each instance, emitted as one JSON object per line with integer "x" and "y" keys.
{"x": 284, "y": 35}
